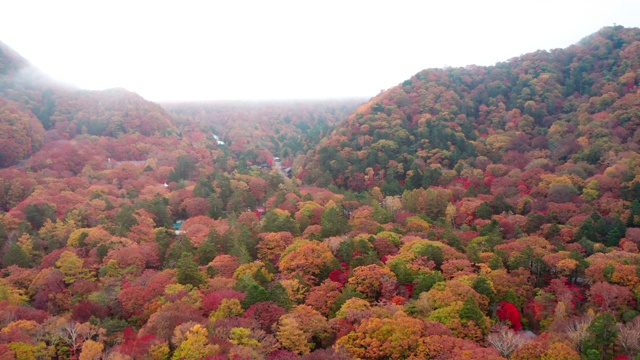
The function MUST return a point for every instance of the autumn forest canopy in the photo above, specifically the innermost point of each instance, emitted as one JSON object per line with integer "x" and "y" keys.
{"x": 467, "y": 213}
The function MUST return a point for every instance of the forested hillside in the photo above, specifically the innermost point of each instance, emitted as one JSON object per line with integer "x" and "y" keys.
{"x": 283, "y": 129}
{"x": 564, "y": 107}
{"x": 468, "y": 213}
{"x": 66, "y": 112}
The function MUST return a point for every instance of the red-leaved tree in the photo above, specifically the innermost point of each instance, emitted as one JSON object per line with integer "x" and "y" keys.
{"x": 509, "y": 312}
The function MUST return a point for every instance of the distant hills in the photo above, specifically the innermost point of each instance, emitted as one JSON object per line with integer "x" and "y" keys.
{"x": 27, "y": 94}
{"x": 576, "y": 105}
{"x": 482, "y": 212}
{"x": 543, "y": 109}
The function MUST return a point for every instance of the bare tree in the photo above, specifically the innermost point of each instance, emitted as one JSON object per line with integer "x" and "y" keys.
{"x": 577, "y": 331}
{"x": 7, "y": 317}
{"x": 506, "y": 341}
{"x": 71, "y": 333}
{"x": 629, "y": 336}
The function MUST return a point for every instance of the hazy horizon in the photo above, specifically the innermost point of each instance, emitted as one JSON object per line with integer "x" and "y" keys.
{"x": 286, "y": 50}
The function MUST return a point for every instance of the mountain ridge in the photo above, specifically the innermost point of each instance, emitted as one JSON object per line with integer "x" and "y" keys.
{"x": 444, "y": 116}
{"x": 65, "y": 111}
{"x": 504, "y": 223}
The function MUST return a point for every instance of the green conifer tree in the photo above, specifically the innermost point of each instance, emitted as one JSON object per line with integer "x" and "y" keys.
{"x": 207, "y": 250}
{"x": 333, "y": 222}
{"x": 16, "y": 256}
{"x": 483, "y": 286}
{"x": 483, "y": 211}
{"x": 188, "y": 273}
{"x": 471, "y": 312}
{"x": 601, "y": 337}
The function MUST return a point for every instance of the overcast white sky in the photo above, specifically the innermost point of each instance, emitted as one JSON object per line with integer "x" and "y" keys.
{"x": 214, "y": 50}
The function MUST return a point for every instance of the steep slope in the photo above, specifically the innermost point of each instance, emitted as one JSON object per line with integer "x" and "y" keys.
{"x": 110, "y": 112}
{"x": 543, "y": 109}
{"x": 23, "y": 83}
{"x": 20, "y": 133}
{"x": 68, "y": 111}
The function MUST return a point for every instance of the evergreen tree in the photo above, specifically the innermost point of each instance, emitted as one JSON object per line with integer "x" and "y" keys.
{"x": 333, "y": 222}
{"x": 275, "y": 221}
{"x": 380, "y": 214}
{"x": 483, "y": 211}
{"x": 433, "y": 253}
{"x": 180, "y": 246}
{"x": 495, "y": 262}
{"x": 630, "y": 192}
{"x": 492, "y": 229}
{"x": 244, "y": 236}
{"x": 415, "y": 180}
{"x": 182, "y": 170}
{"x": 348, "y": 293}
{"x": 553, "y": 231}
{"x": 511, "y": 297}
{"x": 582, "y": 264}
{"x": 236, "y": 203}
{"x": 601, "y": 337}
{"x": 224, "y": 184}
{"x": 158, "y": 207}
{"x": 280, "y": 296}
{"x": 424, "y": 283}
{"x": 586, "y": 231}
{"x": 634, "y": 214}
{"x": 274, "y": 180}
{"x": 207, "y": 250}
{"x": 255, "y": 294}
{"x": 102, "y": 251}
{"x": 203, "y": 189}
{"x": 601, "y": 227}
{"x": 431, "y": 177}
{"x": 188, "y": 273}
{"x": 3, "y": 235}
{"x": 483, "y": 286}
{"x": 473, "y": 252}
{"x": 216, "y": 206}
{"x": 534, "y": 222}
{"x": 280, "y": 198}
{"x": 616, "y": 232}
{"x": 222, "y": 244}
{"x": 163, "y": 239}
{"x": 16, "y": 256}
{"x": 124, "y": 220}
{"x": 607, "y": 272}
{"x": 403, "y": 274}
{"x": 391, "y": 187}
{"x": 587, "y": 245}
{"x": 37, "y": 214}
{"x": 240, "y": 251}
{"x": 471, "y": 311}
{"x": 499, "y": 204}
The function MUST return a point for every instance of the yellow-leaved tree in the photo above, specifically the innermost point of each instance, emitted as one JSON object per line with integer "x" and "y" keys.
{"x": 70, "y": 265}
{"x": 195, "y": 345}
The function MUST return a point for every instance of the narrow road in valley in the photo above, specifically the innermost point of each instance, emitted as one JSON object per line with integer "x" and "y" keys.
{"x": 278, "y": 165}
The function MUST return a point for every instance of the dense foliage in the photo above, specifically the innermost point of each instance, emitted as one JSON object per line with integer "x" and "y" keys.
{"x": 541, "y": 110}
{"x": 70, "y": 112}
{"x": 504, "y": 222}
{"x": 257, "y": 131}
{"x": 20, "y": 133}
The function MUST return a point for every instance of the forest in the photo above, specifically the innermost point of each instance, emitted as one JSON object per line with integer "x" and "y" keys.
{"x": 467, "y": 213}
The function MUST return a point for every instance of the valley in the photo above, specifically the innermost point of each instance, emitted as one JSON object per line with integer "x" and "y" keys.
{"x": 480, "y": 212}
